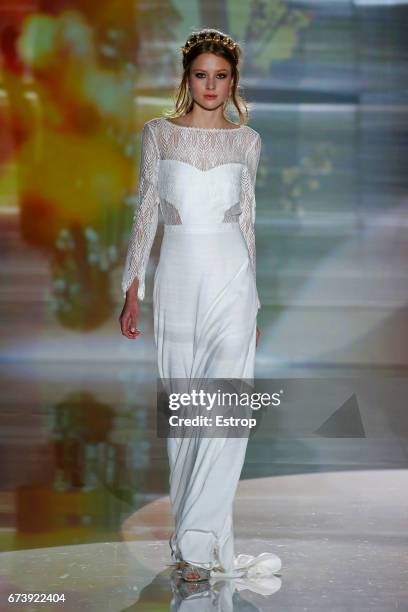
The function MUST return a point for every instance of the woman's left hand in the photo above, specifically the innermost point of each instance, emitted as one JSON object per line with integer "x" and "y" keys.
{"x": 258, "y": 333}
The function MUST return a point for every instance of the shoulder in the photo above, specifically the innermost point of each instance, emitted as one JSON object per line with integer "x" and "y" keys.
{"x": 252, "y": 132}
{"x": 153, "y": 124}
{"x": 252, "y": 136}
{"x": 150, "y": 127}
{"x": 150, "y": 132}
{"x": 252, "y": 140}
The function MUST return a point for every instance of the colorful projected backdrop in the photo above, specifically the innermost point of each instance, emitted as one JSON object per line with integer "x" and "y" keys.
{"x": 71, "y": 120}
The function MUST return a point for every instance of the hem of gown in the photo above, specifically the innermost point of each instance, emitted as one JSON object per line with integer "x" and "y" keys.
{"x": 263, "y": 565}
{"x": 244, "y": 566}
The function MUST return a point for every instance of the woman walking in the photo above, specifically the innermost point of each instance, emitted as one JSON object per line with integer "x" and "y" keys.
{"x": 200, "y": 169}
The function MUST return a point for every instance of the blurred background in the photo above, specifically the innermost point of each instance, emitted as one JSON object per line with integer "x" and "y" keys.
{"x": 327, "y": 85}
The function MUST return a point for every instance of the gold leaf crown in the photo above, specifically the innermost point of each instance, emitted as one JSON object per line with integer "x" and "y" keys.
{"x": 195, "y": 39}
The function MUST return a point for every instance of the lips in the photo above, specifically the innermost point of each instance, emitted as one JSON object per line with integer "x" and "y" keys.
{"x": 211, "y": 97}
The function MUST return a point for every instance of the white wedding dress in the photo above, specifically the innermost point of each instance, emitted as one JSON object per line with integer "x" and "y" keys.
{"x": 205, "y": 304}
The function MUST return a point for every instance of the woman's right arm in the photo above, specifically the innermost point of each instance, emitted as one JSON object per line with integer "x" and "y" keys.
{"x": 142, "y": 234}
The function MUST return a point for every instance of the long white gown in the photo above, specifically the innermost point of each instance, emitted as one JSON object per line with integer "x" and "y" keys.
{"x": 205, "y": 304}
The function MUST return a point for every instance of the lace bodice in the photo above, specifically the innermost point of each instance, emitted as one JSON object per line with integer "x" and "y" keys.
{"x": 212, "y": 168}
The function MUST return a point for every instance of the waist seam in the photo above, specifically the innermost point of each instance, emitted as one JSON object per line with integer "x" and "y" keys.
{"x": 202, "y": 227}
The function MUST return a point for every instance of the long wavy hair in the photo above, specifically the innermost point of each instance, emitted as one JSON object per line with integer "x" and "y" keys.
{"x": 183, "y": 101}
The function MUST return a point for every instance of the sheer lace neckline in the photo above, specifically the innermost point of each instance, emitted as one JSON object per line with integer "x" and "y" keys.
{"x": 191, "y": 127}
{"x": 162, "y": 186}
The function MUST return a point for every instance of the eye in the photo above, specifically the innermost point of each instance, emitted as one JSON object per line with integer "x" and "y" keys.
{"x": 200, "y": 75}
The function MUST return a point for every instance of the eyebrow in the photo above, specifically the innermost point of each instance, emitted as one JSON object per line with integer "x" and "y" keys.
{"x": 220, "y": 70}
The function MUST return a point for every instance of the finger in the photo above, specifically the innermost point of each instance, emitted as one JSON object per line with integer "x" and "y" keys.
{"x": 126, "y": 326}
{"x": 132, "y": 324}
{"x": 132, "y": 328}
{"x": 132, "y": 335}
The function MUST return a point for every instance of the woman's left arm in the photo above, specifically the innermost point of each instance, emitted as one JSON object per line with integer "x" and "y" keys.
{"x": 248, "y": 200}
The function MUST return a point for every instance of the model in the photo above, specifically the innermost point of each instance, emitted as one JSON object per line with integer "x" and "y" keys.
{"x": 200, "y": 169}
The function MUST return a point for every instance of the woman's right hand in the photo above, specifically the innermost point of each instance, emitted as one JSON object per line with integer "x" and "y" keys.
{"x": 129, "y": 316}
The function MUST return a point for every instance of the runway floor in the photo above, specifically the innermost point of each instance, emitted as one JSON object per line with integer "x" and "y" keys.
{"x": 341, "y": 538}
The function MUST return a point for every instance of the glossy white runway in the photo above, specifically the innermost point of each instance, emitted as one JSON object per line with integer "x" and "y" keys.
{"x": 341, "y": 537}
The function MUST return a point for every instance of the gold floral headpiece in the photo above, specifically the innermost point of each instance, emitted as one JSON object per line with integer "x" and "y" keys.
{"x": 195, "y": 39}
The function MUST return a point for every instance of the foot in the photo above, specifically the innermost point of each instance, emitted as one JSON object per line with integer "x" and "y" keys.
{"x": 193, "y": 573}
{"x": 187, "y": 590}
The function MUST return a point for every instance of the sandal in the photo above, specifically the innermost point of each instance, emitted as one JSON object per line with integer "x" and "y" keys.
{"x": 193, "y": 573}
{"x": 189, "y": 590}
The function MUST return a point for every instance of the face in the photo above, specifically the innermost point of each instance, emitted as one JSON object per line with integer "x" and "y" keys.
{"x": 210, "y": 80}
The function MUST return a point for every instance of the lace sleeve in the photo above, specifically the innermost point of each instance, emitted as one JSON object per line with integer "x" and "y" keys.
{"x": 145, "y": 218}
{"x": 248, "y": 203}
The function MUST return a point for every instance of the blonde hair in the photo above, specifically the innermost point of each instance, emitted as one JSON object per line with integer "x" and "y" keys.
{"x": 183, "y": 102}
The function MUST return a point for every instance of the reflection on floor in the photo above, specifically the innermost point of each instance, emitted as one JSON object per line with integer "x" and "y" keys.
{"x": 338, "y": 535}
